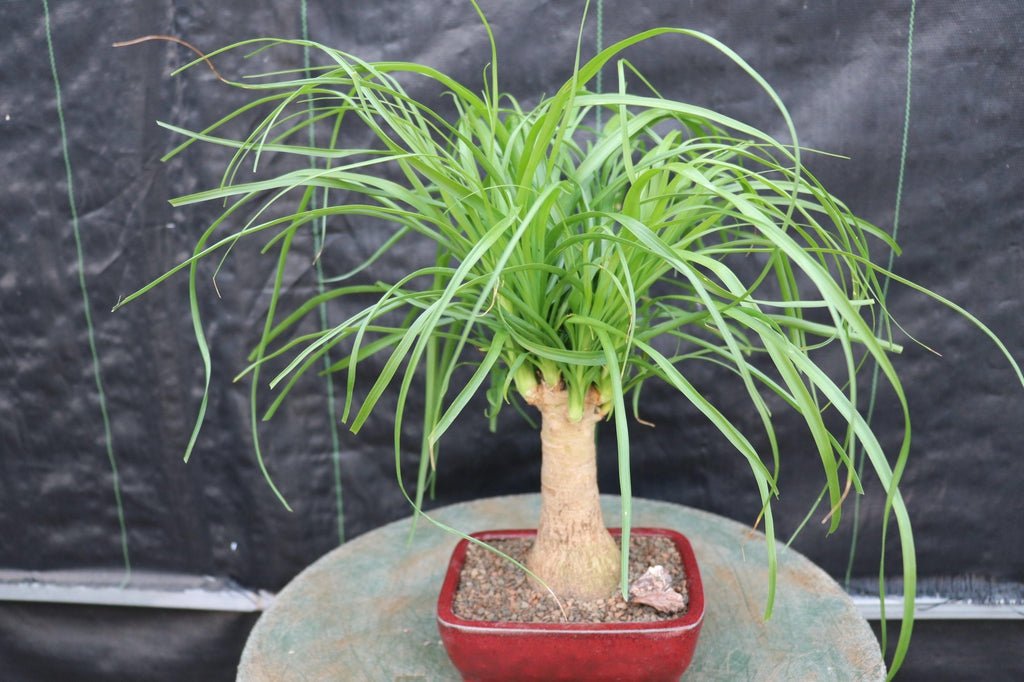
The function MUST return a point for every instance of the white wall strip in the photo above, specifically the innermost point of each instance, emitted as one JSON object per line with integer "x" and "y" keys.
{"x": 194, "y": 599}
{"x": 152, "y": 590}
{"x": 939, "y": 608}
{"x": 203, "y": 593}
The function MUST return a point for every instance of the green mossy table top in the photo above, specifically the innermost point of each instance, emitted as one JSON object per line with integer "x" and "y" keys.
{"x": 365, "y": 611}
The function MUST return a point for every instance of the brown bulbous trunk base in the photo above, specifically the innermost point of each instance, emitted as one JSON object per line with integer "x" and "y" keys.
{"x": 574, "y": 553}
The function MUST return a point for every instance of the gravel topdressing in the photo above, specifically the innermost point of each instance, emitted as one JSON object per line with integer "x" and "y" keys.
{"x": 492, "y": 589}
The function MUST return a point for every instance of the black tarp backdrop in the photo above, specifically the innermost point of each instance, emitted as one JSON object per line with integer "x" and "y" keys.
{"x": 841, "y": 68}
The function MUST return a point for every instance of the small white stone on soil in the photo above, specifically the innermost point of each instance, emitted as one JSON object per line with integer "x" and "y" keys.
{"x": 654, "y": 588}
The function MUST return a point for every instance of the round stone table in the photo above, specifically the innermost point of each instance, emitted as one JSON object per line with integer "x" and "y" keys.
{"x": 365, "y": 611}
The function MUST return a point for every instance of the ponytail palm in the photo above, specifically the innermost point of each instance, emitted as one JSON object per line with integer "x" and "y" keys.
{"x": 572, "y": 262}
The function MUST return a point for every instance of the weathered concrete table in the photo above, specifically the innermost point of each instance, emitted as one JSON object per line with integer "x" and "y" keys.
{"x": 365, "y": 611}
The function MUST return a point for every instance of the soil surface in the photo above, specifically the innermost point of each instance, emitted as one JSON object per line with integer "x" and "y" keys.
{"x": 492, "y": 589}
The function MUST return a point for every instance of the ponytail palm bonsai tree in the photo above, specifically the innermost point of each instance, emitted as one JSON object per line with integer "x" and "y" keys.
{"x": 580, "y": 248}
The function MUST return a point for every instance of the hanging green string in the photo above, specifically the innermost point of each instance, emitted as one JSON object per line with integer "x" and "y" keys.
{"x": 319, "y": 230}
{"x": 885, "y": 282}
{"x": 599, "y": 45}
{"x": 85, "y": 299}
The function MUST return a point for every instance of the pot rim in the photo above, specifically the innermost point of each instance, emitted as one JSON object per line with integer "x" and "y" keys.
{"x": 691, "y": 619}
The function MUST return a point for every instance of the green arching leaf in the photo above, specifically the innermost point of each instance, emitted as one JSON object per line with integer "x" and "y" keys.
{"x": 778, "y": 347}
{"x": 765, "y": 482}
{"x": 622, "y": 444}
{"x": 268, "y": 324}
{"x": 470, "y": 389}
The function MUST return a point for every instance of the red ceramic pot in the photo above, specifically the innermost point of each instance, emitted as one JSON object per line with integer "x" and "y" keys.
{"x": 487, "y": 651}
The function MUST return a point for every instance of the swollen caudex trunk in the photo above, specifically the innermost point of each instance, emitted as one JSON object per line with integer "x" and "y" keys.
{"x": 574, "y": 553}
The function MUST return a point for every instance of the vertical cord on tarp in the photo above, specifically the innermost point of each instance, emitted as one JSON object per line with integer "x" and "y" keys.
{"x": 885, "y": 282}
{"x": 85, "y": 300}
{"x": 319, "y": 231}
{"x": 598, "y": 46}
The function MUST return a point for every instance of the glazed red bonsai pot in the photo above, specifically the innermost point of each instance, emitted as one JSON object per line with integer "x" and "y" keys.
{"x": 488, "y": 651}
